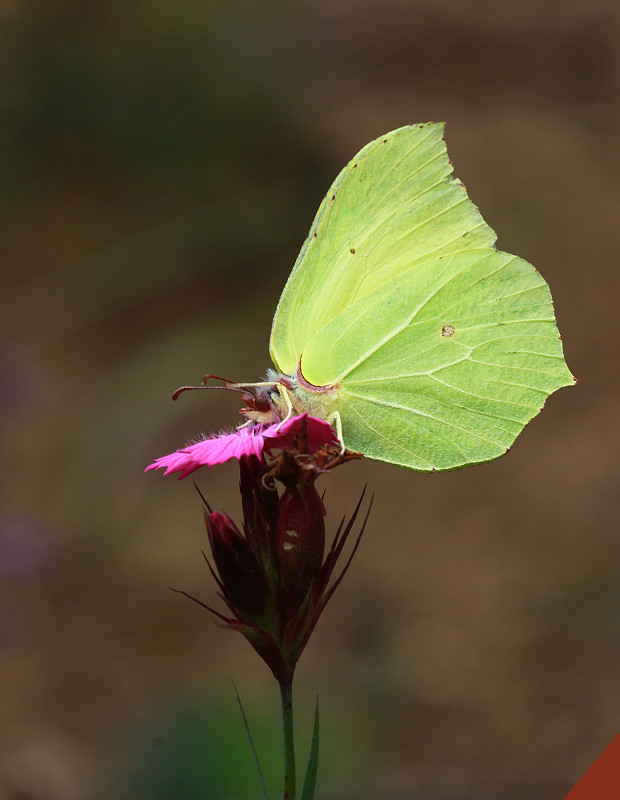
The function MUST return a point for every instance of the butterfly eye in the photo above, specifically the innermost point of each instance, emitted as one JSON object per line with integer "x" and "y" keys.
{"x": 262, "y": 402}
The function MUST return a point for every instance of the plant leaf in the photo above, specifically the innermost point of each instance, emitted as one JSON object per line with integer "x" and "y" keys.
{"x": 307, "y": 792}
{"x": 251, "y": 741}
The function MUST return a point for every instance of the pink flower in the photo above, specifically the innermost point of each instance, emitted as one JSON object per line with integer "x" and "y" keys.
{"x": 245, "y": 442}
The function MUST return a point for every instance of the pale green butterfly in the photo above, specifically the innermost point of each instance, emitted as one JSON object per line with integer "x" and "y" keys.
{"x": 401, "y": 322}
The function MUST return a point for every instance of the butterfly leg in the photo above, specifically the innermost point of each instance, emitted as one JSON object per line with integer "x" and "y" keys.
{"x": 335, "y": 418}
{"x": 288, "y": 404}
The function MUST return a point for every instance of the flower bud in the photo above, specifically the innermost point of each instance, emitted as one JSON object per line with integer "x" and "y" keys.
{"x": 242, "y": 577}
{"x": 300, "y": 544}
{"x": 260, "y": 512}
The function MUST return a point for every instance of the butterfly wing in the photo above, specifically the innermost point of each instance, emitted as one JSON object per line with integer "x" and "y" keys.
{"x": 394, "y": 205}
{"x": 443, "y": 365}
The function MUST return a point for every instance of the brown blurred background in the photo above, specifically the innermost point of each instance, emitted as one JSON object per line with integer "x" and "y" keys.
{"x": 160, "y": 166}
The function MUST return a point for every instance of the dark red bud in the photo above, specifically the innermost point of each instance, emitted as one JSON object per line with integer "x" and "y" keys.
{"x": 300, "y": 543}
{"x": 260, "y": 510}
{"x": 243, "y": 578}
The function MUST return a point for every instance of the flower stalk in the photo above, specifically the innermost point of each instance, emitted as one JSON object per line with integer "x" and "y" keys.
{"x": 288, "y": 737}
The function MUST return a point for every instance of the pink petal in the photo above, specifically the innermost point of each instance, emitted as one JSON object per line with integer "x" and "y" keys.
{"x": 245, "y": 442}
{"x": 217, "y": 450}
{"x": 282, "y": 434}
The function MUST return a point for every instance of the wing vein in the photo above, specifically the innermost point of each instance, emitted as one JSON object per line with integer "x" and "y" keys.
{"x": 428, "y": 416}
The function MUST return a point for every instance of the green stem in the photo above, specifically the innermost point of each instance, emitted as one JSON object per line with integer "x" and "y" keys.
{"x": 286, "y": 695}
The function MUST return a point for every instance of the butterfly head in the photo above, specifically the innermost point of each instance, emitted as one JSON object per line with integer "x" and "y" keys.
{"x": 262, "y": 405}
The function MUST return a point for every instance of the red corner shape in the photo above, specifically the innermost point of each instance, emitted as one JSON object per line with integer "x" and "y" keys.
{"x": 602, "y": 780}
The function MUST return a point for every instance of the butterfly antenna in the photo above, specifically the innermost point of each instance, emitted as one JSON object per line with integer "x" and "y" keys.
{"x": 243, "y": 386}
{"x": 210, "y": 376}
{"x": 228, "y": 384}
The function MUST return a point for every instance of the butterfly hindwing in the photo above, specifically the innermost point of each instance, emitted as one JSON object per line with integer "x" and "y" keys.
{"x": 445, "y": 364}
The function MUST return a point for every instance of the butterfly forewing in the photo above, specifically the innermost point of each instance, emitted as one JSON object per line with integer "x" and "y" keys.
{"x": 395, "y": 204}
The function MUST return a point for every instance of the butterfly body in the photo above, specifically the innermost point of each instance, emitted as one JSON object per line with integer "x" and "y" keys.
{"x": 295, "y": 393}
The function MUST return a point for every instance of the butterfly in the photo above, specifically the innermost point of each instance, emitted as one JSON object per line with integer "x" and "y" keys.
{"x": 403, "y": 325}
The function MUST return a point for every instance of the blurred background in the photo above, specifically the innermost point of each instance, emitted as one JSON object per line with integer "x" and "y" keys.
{"x": 160, "y": 166}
